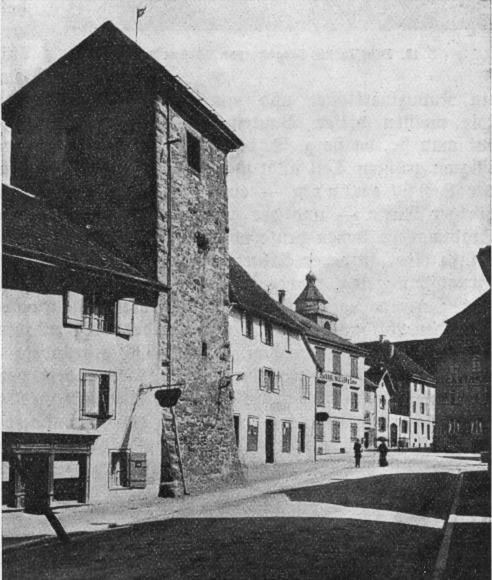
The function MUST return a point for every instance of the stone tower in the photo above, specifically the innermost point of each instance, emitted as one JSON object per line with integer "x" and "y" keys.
{"x": 108, "y": 136}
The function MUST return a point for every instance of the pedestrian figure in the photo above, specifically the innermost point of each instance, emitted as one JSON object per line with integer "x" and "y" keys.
{"x": 383, "y": 451}
{"x": 357, "y": 452}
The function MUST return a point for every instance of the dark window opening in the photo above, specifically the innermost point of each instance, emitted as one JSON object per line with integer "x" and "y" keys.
{"x": 204, "y": 349}
{"x": 99, "y": 312}
{"x": 193, "y": 151}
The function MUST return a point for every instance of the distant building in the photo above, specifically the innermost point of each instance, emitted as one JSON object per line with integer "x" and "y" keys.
{"x": 463, "y": 375}
{"x": 107, "y": 136}
{"x": 340, "y": 372}
{"x": 80, "y": 355}
{"x": 273, "y": 405}
{"x": 378, "y": 390}
{"x": 413, "y": 402}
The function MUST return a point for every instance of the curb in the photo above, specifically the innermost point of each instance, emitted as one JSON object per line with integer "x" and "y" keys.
{"x": 442, "y": 556}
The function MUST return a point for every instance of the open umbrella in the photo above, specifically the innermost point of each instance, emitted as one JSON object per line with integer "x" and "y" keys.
{"x": 382, "y": 439}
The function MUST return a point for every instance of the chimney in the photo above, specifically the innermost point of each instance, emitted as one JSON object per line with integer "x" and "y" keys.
{"x": 382, "y": 337}
{"x": 281, "y": 296}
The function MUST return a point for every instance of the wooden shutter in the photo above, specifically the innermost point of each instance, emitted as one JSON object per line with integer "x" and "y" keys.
{"x": 124, "y": 316}
{"x": 277, "y": 383}
{"x": 112, "y": 395}
{"x": 243, "y": 323}
{"x": 262, "y": 330}
{"x": 74, "y": 309}
{"x": 138, "y": 470}
{"x": 90, "y": 395}
{"x": 261, "y": 378}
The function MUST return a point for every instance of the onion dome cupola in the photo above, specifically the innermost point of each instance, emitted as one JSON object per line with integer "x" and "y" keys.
{"x": 312, "y": 304}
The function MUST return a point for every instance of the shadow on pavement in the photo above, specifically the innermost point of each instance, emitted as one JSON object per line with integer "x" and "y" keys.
{"x": 469, "y": 553}
{"x": 475, "y": 494}
{"x": 242, "y": 548}
{"x": 425, "y": 494}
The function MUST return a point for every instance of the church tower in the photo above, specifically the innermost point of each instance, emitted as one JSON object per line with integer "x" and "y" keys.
{"x": 312, "y": 304}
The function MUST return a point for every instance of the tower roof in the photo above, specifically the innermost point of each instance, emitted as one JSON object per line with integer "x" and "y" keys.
{"x": 310, "y": 292}
{"x": 108, "y": 59}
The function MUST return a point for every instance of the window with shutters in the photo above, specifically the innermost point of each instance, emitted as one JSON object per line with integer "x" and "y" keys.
{"x": 320, "y": 356}
{"x": 414, "y": 407}
{"x": 252, "y": 434}
{"x": 269, "y": 381}
{"x": 337, "y": 396}
{"x": 422, "y": 408}
{"x": 320, "y": 431}
{"x": 320, "y": 394}
{"x": 266, "y": 333}
{"x": 127, "y": 469}
{"x": 404, "y": 427}
{"x": 99, "y": 311}
{"x": 354, "y": 367}
{"x": 301, "y": 438}
{"x": 305, "y": 387}
{"x": 335, "y": 431}
{"x": 247, "y": 327}
{"x": 286, "y": 436}
{"x": 382, "y": 424}
{"x": 119, "y": 469}
{"x": 354, "y": 401}
{"x": 337, "y": 363}
{"x": 97, "y": 394}
{"x": 353, "y": 431}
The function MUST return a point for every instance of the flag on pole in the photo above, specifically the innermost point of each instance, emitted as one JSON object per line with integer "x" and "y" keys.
{"x": 141, "y": 12}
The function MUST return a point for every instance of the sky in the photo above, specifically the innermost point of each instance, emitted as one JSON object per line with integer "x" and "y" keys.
{"x": 366, "y": 130}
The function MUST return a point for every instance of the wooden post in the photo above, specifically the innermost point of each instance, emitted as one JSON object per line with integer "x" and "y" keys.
{"x": 178, "y": 449}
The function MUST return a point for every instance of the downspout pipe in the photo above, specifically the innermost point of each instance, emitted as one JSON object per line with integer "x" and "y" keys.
{"x": 169, "y": 243}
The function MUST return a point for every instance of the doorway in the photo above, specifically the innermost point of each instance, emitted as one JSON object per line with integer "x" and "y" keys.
{"x": 36, "y": 474}
{"x": 269, "y": 441}
{"x": 366, "y": 439}
{"x": 393, "y": 435}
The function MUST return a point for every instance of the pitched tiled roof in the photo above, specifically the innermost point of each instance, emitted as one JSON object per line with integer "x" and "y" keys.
{"x": 316, "y": 332}
{"x": 423, "y": 352}
{"x": 31, "y": 229}
{"x": 114, "y": 56}
{"x": 400, "y": 364}
{"x": 470, "y": 328}
{"x": 369, "y": 383}
{"x": 247, "y": 294}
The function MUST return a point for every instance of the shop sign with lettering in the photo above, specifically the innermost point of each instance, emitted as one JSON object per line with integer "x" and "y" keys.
{"x": 339, "y": 379}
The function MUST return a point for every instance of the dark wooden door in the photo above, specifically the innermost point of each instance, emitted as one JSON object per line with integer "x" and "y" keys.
{"x": 393, "y": 435}
{"x": 269, "y": 441}
{"x": 36, "y": 475}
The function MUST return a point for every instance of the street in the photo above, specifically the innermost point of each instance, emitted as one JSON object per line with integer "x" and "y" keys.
{"x": 332, "y": 521}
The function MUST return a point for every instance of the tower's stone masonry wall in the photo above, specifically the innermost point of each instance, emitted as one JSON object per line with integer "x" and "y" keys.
{"x": 199, "y": 316}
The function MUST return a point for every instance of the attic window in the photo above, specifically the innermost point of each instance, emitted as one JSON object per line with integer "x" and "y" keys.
{"x": 193, "y": 151}
{"x": 327, "y": 326}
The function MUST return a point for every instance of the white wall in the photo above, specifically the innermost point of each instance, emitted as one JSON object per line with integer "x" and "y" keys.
{"x": 249, "y": 355}
{"x": 428, "y": 417}
{"x": 345, "y": 416}
{"x": 41, "y": 382}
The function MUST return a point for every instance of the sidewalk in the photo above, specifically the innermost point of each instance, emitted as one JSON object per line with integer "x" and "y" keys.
{"x": 21, "y": 529}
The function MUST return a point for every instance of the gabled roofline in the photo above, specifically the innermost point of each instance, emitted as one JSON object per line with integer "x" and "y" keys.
{"x": 19, "y": 253}
{"x": 158, "y": 71}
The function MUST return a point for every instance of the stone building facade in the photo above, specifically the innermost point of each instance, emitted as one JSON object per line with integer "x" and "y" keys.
{"x": 108, "y": 136}
{"x": 463, "y": 375}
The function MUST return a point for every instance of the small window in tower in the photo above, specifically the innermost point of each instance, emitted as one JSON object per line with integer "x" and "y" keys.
{"x": 193, "y": 151}
{"x": 204, "y": 349}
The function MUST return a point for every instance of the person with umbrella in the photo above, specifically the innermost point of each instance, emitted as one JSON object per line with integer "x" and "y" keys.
{"x": 383, "y": 451}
